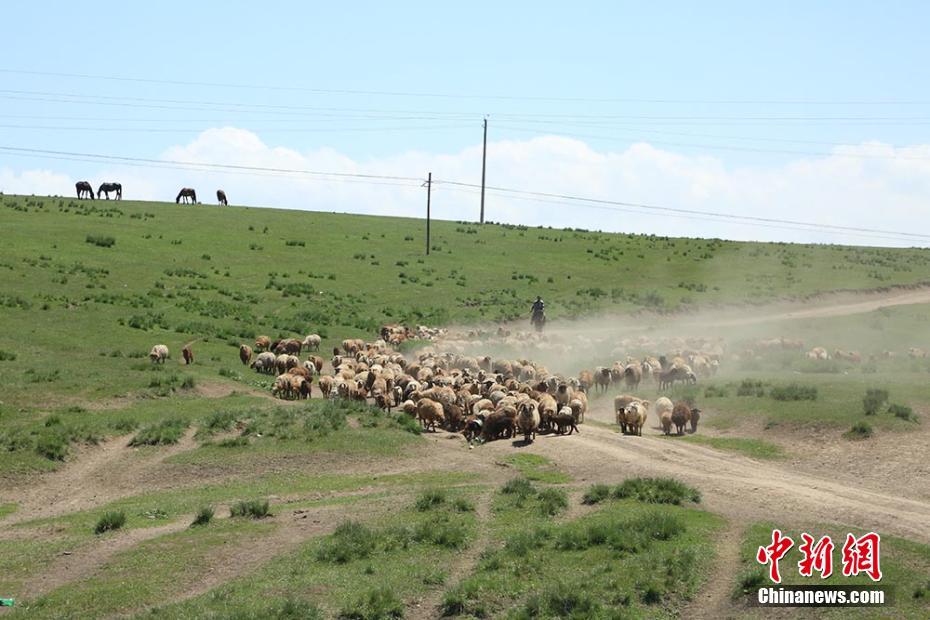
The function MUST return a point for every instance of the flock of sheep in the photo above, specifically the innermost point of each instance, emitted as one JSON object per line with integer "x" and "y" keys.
{"x": 484, "y": 398}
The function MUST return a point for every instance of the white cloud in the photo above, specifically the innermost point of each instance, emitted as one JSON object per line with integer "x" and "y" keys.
{"x": 882, "y": 187}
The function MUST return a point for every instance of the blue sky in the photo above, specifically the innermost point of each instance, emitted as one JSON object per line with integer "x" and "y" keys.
{"x": 582, "y": 72}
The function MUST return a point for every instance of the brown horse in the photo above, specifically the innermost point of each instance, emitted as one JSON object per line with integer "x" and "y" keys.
{"x": 84, "y": 190}
{"x": 187, "y": 194}
{"x": 106, "y": 188}
{"x": 221, "y": 198}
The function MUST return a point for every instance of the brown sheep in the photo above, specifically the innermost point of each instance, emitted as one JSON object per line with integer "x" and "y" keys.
{"x": 635, "y": 416}
{"x": 429, "y": 412}
{"x": 245, "y": 353}
{"x": 326, "y": 385}
{"x": 695, "y": 416}
{"x": 586, "y": 380}
{"x": 497, "y": 425}
{"x": 681, "y": 416}
{"x": 188, "y": 354}
{"x": 620, "y": 404}
{"x": 262, "y": 343}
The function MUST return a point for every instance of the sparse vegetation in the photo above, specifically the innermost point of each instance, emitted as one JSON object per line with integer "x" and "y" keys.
{"x": 110, "y": 521}
{"x": 253, "y": 509}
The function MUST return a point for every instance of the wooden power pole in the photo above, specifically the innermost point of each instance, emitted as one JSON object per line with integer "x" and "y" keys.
{"x": 429, "y": 187}
{"x": 484, "y": 160}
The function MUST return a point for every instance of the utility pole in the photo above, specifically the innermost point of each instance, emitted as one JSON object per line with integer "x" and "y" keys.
{"x": 484, "y": 159}
{"x": 429, "y": 187}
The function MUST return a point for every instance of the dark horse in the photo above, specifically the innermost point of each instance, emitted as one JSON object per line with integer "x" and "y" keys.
{"x": 221, "y": 198}
{"x": 84, "y": 190}
{"x": 187, "y": 194}
{"x": 106, "y": 188}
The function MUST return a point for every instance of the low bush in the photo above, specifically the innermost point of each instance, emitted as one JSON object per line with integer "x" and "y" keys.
{"x": 253, "y": 509}
{"x": 203, "y": 516}
{"x": 429, "y": 499}
{"x": 350, "y": 541}
{"x": 874, "y": 400}
{"x": 376, "y": 604}
{"x": 596, "y": 494}
{"x": 166, "y": 432}
{"x": 100, "y": 240}
{"x": 552, "y": 501}
{"x": 113, "y": 520}
{"x": 859, "y": 430}
{"x": 902, "y": 411}
{"x": 794, "y": 392}
{"x": 656, "y": 491}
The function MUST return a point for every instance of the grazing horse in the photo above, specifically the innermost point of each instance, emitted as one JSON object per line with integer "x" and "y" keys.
{"x": 188, "y": 194}
{"x": 106, "y": 188}
{"x": 221, "y": 198}
{"x": 84, "y": 190}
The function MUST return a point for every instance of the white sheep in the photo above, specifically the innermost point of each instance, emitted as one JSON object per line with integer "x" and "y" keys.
{"x": 159, "y": 354}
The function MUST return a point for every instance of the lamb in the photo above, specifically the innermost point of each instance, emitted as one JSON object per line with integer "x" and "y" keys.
{"x": 409, "y": 407}
{"x": 188, "y": 354}
{"x": 681, "y": 415}
{"x": 245, "y": 354}
{"x": 159, "y": 354}
{"x": 620, "y": 404}
{"x": 635, "y": 416}
{"x": 664, "y": 409}
{"x": 312, "y": 342}
{"x": 564, "y": 419}
{"x": 429, "y": 412}
{"x": 528, "y": 420}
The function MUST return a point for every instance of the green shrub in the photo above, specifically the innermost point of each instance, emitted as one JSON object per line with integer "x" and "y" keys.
{"x": 188, "y": 383}
{"x": 253, "y": 509}
{"x": 902, "y": 411}
{"x": 233, "y": 442}
{"x": 520, "y": 487}
{"x": 596, "y": 494}
{"x": 166, "y": 432}
{"x": 794, "y": 391}
{"x": 100, "y": 240}
{"x": 465, "y": 600}
{"x": 429, "y": 499}
{"x": 7, "y": 356}
{"x": 874, "y": 400}
{"x": 749, "y": 581}
{"x": 552, "y": 501}
{"x": 657, "y": 491}
{"x": 441, "y": 531}
{"x": 715, "y": 391}
{"x": 110, "y": 521}
{"x": 859, "y": 430}
{"x": 749, "y": 387}
{"x": 350, "y": 541}
{"x": 52, "y": 445}
{"x": 376, "y": 604}
{"x": 463, "y": 504}
{"x": 562, "y": 601}
{"x": 203, "y": 516}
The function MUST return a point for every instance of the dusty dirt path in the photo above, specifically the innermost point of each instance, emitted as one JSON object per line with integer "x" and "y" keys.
{"x": 99, "y": 474}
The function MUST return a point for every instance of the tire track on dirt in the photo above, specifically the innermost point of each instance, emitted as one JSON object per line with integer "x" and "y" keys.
{"x": 742, "y": 488}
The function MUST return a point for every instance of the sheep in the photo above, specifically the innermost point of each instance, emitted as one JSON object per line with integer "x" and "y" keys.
{"x": 695, "y": 416}
{"x": 409, "y": 407}
{"x": 601, "y": 379}
{"x": 245, "y": 354}
{"x": 262, "y": 343}
{"x": 188, "y": 354}
{"x": 430, "y": 413}
{"x": 586, "y": 380}
{"x": 159, "y": 354}
{"x": 282, "y": 386}
{"x": 547, "y": 408}
{"x": 312, "y": 342}
{"x": 633, "y": 375}
{"x": 579, "y": 405}
{"x": 620, "y": 404}
{"x": 564, "y": 419}
{"x": 289, "y": 346}
{"x": 264, "y": 363}
{"x": 663, "y": 410}
{"x": 280, "y": 363}
{"x": 528, "y": 420}
{"x": 635, "y": 416}
{"x": 563, "y": 394}
{"x": 496, "y": 425}
{"x": 681, "y": 415}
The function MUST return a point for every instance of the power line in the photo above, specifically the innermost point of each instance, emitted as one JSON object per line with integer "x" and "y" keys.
{"x": 721, "y": 147}
{"x": 122, "y": 159}
{"x": 656, "y": 208}
{"x": 252, "y": 128}
{"x": 343, "y": 91}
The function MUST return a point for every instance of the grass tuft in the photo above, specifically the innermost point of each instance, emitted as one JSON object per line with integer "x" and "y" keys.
{"x": 110, "y": 521}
